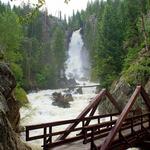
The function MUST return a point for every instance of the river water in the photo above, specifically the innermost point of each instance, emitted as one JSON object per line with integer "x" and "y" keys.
{"x": 40, "y": 108}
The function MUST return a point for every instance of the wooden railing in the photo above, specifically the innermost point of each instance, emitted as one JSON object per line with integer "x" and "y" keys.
{"x": 123, "y": 116}
{"x": 49, "y": 134}
{"x": 98, "y": 131}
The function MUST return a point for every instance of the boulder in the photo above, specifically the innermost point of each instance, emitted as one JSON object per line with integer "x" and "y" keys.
{"x": 68, "y": 97}
{"x": 61, "y": 100}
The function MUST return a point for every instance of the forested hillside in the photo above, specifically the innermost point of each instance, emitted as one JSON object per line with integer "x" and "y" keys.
{"x": 36, "y": 50}
{"x": 115, "y": 31}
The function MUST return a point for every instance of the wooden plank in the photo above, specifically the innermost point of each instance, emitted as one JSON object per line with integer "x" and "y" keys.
{"x": 96, "y": 126}
{"x": 91, "y": 114}
{"x": 123, "y": 115}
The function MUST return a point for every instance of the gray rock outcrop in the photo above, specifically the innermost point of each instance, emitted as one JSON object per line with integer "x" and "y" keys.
{"x": 62, "y": 100}
{"x": 9, "y": 112}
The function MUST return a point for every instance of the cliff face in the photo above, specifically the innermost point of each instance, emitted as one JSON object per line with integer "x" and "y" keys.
{"x": 137, "y": 74}
{"x": 124, "y": 87}
{"x": 9, "y": 112}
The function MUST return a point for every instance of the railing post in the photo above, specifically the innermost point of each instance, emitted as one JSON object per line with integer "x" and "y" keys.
{"x": 44, "y": 139}
{"x": 85, "y": 135}
{"x": 149, "y": 120}
{"x": 27, "y": 134}
{"x": 132, "y": 131}
{"x": 99, "y": 121}
{"x": 120, "y": 135}
{"x": 141, "y": 121}
{"x": 111, "y": 119}
{"x": 93, "y": 146}
{"x": 50, "y": 132}
{"x": 83, "y": 123}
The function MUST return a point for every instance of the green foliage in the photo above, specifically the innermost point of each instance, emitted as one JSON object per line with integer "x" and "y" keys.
{"x": 47, "y": 77}
{"x": 35, "y": 51}
{"x": 9, "y": 39}
{"x": 138, "y": 73}
{"x": 114, "y": 31}
{"x": 32, "y": 14}
{"x": 109, "y": 54}
{"x": 17, "y": 70}
{"x": 130, "y": 57}
{"x": 21, "y": 96}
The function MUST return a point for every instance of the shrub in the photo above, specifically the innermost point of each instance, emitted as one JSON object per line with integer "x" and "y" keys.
{"x": 21, "y": 96}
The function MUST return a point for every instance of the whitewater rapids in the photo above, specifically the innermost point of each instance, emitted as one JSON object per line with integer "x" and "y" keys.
{"x": 41, "y": 110}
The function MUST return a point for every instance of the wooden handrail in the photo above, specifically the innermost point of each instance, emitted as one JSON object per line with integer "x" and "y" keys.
{"x": 109, "y": 139}
{"x": 63, "y": 122}
{"x": 105, "y": 129}
{"x": 58, "y": 123}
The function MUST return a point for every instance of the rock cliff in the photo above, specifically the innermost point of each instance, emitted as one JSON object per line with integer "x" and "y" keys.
{"x": 122, "y": 89}
{"x": 9, "y": 112}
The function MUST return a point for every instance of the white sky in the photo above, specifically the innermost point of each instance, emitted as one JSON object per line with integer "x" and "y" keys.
{"x": 54, "y": 6}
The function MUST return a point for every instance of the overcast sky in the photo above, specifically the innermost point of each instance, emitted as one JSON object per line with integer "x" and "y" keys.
{"x": 54, "y": 6}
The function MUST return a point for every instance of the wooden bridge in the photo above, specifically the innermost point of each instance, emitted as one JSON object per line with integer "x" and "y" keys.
{"x": 123, "y": 129}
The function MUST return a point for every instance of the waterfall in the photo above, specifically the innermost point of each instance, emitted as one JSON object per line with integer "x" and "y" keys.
{"x": 78, "y": 64}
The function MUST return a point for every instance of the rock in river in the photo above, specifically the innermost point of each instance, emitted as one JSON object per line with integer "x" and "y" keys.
{"x": 62, "y": 100}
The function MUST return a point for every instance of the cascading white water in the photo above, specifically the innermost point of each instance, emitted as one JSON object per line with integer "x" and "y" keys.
{"x": 78, "y": 64}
